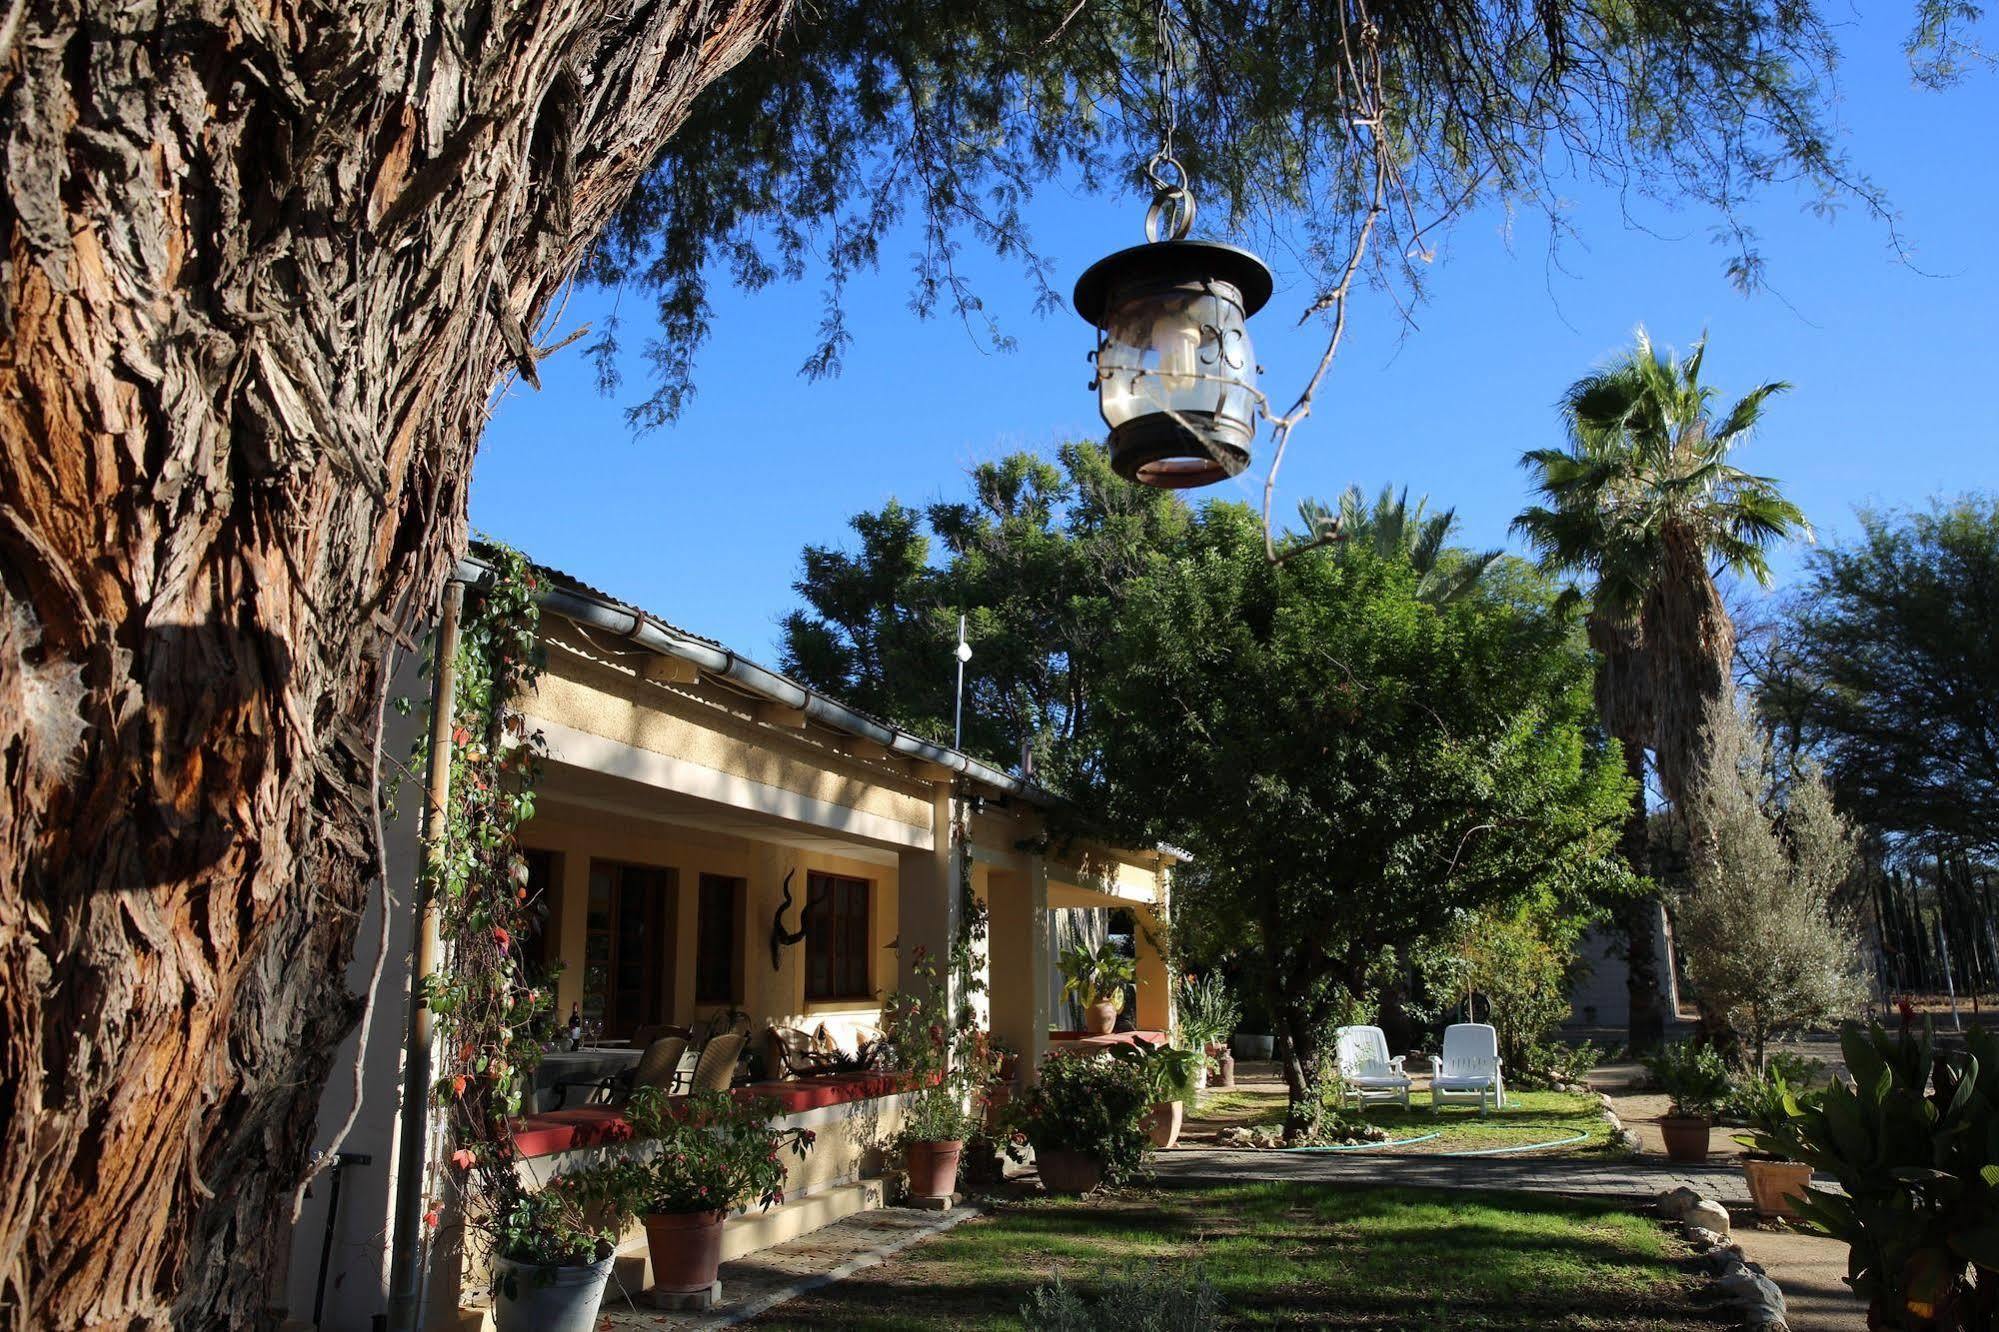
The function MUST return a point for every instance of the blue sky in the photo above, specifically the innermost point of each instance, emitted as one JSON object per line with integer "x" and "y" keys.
{"x": 1894, "y": 399}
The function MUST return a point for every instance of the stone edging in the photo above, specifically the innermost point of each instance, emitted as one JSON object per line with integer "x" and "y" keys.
{"x": 1622, "y": 1136}
{"x": 1739, "y": 1283}
{"x": 793, "y": 1289}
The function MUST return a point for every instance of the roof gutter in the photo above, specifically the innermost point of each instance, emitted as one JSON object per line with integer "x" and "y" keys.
{"x": 635, "y": 626}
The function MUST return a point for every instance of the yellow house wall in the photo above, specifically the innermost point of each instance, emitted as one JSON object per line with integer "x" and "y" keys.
{"x": 578, "y": 836}
{"x": 680, "y": 722}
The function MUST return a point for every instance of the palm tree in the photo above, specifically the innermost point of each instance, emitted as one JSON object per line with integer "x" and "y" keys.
{"x": 1645, "y": 504}
{"x": 1393, "y": 531}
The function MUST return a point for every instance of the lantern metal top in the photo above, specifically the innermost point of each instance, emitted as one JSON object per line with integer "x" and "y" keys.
{"x": 1172, "y": 261}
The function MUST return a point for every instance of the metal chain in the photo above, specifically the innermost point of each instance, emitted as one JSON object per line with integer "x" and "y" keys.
{"x": 1171, "y": 215}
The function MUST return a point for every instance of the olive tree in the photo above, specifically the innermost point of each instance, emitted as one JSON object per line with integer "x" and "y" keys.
{"x": 1758, "y": 919}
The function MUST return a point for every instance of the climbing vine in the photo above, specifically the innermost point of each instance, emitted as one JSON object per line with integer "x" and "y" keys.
{"x": 490, "y": 1012}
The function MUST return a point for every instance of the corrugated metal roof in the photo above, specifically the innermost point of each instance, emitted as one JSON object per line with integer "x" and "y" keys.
{"x": 742, "y": 673}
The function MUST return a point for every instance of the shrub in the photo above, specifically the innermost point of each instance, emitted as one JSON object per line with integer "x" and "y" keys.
{"x": 1519, "y": 965}
{"x": 1089, "y": 1104}
{"x": 707, "y": 1152}
{"x": 1758, "y": 1100}
{"x": 1914, "y": 1145}
{"x": 560, "y": 1224}
{"x": 1765, "y": 943}
{"x": 1168, "y": 1070}
{"x": 950, "y": 1061}
{"x": 1208, "y": 1011}
{"x": 1152, "y": 1299}
{"x": 1542, "y": 1066}
{"x": 1693, "y": 1075}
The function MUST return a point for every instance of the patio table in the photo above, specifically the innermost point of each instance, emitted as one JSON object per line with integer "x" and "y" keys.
{"x": 575, "y": 1066}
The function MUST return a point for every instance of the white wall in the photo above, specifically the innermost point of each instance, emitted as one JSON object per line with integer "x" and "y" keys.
{"x": 357, "y": 1268}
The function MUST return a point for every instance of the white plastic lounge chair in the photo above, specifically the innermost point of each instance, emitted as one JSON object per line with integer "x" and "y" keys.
{"x": 1366, "y": 1071}
{"x": 1469, "y": 1068}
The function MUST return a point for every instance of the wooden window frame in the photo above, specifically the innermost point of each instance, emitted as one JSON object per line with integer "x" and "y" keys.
{"x": 830, "y": 923}
{"x": 730, "y": 993}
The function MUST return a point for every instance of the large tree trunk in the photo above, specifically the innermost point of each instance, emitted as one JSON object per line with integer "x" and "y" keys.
{"x": 1690, "y": 646}
{"x": 260, "y": 266}
{"x": 1625, "y": 686}
{"x": 1638, "y": 921}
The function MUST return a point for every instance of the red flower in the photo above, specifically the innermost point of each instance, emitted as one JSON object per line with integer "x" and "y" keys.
{"x": 458, "y": 1085}
{"x": 501, "y": 936}
{"x": 430, "y": 1218}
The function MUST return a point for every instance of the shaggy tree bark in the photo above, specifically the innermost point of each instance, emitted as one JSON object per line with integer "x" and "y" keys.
{"x": 261, "y": 263}
{"x": 1624, "y": 700}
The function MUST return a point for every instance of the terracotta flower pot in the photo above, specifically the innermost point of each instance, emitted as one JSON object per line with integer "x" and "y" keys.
{"x": 1100, "y": 1018}
{"x": 932, "y": 1168}
{"x": 1167, "y": 1117}
{"x": 1686, "y": 1137}
{"x": 548, "y": 1299}
{"x": 998, "y": 1097}
{"x": 1773, "y": 1185}
{"x": 686, "y": 1249}
{"x": 1066, "y": 1171}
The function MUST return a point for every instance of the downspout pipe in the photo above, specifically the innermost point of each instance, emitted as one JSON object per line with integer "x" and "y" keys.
{"x": 637, "y": 627}
{"x": 409, "y": 1245}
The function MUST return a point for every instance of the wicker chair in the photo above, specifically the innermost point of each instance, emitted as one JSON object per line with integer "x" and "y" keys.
{"x": 716, "y": 1069}
{"x": 659, "y": 1066}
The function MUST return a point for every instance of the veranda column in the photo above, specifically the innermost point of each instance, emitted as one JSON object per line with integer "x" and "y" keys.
{"x": 927, "y": 908}
{"x": 1020, "y": 963}
{"x": 1155, "y": 979}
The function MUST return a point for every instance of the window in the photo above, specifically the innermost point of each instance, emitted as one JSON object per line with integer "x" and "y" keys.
{"x": 628, "y": 947}
{"x": 836, "y": 938}
{"x": 718, "y": 940}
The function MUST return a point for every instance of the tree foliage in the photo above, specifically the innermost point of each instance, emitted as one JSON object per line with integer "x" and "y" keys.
{"x": 1033, "y": 560}
{"x": 867, "y": 116}
{"x": 1646, "y": 501}
{"x": 1759, "y": 924}
{"x": 1887, "y": 667}
{"x": 1348, "y": 762}
{"x": 1390, "y": 529}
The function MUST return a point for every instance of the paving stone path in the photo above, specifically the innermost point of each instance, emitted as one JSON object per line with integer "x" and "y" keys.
{"x": 762, "y": 1280}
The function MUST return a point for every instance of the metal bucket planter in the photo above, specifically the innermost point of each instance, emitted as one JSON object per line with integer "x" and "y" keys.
{"x": 1254, "y": 1047}
{"x": 527, "y": 1298}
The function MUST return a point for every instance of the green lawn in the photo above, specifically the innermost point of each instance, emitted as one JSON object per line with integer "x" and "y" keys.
{"x": 1529, "y": 1117}
{"x": 1295, "y": 1255}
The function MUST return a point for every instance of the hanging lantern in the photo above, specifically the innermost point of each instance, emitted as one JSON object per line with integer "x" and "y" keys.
{"x": 1176, "y": 377}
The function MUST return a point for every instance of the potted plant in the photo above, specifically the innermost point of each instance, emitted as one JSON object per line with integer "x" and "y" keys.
{"x": 949, "y": 1064}
{"x": 1910, "y": 1141}
{"x": 1095, "y": 977}
{"x": 1086, "y": 1121}
{"x": 1208, "y": 1015}
{"x": 553, "y": 1249}
{"x": 1169, "y": 1073}
{"x": 1775, "y": 1180}
{"x": 1696, "y": 1080}
{"x": 708, "y": 1154}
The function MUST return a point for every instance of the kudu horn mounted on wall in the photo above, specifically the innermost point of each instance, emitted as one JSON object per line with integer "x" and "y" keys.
{"x": 780, "y": 937}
